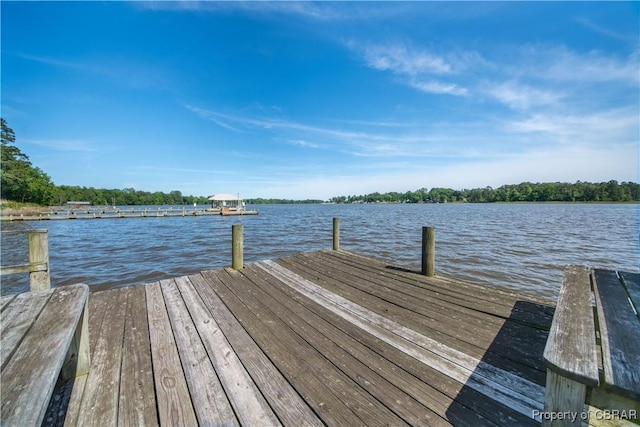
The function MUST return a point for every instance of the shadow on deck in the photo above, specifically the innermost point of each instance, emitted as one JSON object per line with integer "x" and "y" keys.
{"x": 512, "y": 370}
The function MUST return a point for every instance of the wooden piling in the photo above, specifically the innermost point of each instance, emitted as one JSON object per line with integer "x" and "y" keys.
{"x": 237, "y": 247}
{"x": 429, "y": 251}
{"x": 39, "y": 258}
{"x": 336, "y": 234}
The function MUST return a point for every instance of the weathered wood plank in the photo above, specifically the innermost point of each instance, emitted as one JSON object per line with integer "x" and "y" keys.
{"x": 443, "y": 395}
{"x": 98, "y": 305}
{"x": 564, "y": 396}
{"x": 29, "y": 377}
{"x": 98, "y": 308}
{"x": 290, "y": 408}
{"x": 137, "y": 403}
{"x": 78, "y": 358}
{"x": 619, "y": 331}
{"x": 494, "y": 300}
{"x": 495, "y": 294}
{"x": 515, "y": 392}
{"x": 5, "y": 300}
{"x": 208, "y": 397}
{"x": 326, "y": 390}
{"x": 517, "y": 349}
{"x": 327, "y": 341}
{"x": 17, "y": 319}
{"x": 174, "y": 402}
{"x": 25, "y": 268}
{"x": 75, "y": 401}
{"x": 99, "y": 405}
{"x": 321, "y": 326}
{"x": 632, "y": 283}
{"x": 571, "y": 347}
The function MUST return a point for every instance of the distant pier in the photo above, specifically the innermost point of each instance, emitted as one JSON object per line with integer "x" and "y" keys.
{"x": 125, "y": 212}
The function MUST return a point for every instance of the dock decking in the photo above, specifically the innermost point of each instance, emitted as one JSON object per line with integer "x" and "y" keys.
{"x": 322, "y": 338}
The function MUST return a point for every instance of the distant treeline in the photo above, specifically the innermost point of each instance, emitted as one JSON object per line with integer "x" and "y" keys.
{"x": 261, "y": 201}
{"x": 101, "y": 197}
{"x": 129, "y": 196}
{"x": 611, "y": 191}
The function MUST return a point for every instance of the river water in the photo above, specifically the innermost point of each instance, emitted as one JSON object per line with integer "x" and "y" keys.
{"x": 520, "y": 246}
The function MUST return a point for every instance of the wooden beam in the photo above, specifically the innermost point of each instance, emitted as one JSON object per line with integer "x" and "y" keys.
{"x": 571, "y": 346}
{"x": 564, "y": 401}
{"x": 39, "y": 253}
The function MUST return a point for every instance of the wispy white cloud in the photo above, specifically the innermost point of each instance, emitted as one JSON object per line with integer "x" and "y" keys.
{"x": 613, "y": 127}
{"x": 125, "y": 71}
{"x": 520, "y": 96}
{"x": 420, "y": 68}
{"x": 168, "y": 170}
{"x": 559, "y": 63}
{"x": 303, "y": 143}
{"x": 403, "y": 60}
{"x": 315, "y": 11}
{"x": 242, "y": 123}
{"x": 349, "y": 141}
{"x": 437, "y": 87}
{"x": 428, "y": 139}
{"x": 52, "y": 61}
{"x": 587, "y": 23}
{"x": 531, "y": 73}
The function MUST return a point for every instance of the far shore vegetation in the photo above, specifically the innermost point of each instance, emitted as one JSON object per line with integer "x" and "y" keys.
{"x": 23, "y": 185}
{"x": 611, "y": 191}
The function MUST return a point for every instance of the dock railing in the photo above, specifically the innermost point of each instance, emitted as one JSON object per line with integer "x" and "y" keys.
{"x": 38, "y": 266}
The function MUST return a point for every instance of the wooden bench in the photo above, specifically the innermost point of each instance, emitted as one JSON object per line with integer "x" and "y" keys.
{"x": 593, "y": 349}
{"x": 42, "y": 334}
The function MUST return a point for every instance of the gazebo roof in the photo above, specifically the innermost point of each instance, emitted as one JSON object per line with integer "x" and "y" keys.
{"x": 222, "y": 197}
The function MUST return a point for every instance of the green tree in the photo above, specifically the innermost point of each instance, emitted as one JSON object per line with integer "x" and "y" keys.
{"x": 19, "y": 179}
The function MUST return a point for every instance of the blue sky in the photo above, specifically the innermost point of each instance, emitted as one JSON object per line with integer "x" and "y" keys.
{"x": 314, "y": 100}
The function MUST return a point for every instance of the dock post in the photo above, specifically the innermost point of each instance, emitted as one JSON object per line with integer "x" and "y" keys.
{"x": 237, "y": 247}
{"x": 429, "y": 251}
{"x": 39, "y": 254}
{"x": 336, "y": 234}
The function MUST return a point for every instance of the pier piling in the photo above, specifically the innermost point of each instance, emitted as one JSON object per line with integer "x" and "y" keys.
{"x": 336, "y": 234}
{"x": 237, "y": 247}
{"x": 429, "y": 251}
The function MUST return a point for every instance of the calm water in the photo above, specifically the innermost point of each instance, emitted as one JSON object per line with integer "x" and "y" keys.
{"x": 521, "y": 246}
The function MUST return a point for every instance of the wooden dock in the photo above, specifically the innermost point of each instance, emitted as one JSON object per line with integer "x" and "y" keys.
{"x": 108, "y": 213}
{"x": 322, "y": 338}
